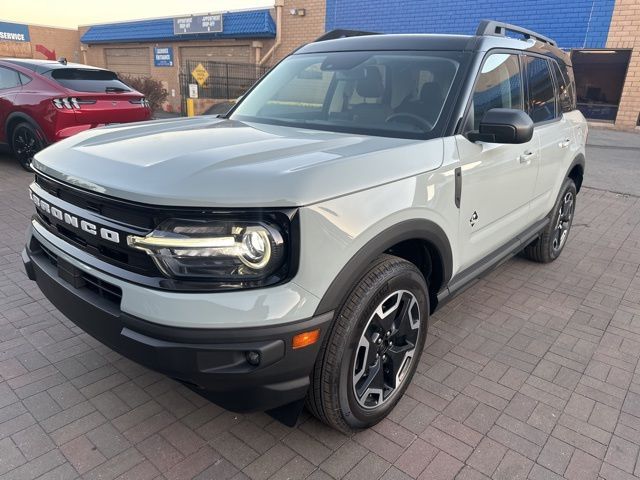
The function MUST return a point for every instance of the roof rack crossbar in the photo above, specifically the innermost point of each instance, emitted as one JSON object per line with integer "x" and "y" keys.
{"x": 341, "y": 33}
{"x": 499, "y": 29}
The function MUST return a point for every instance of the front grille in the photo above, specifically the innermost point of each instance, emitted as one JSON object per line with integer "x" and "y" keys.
{"x": 105, "y": 290}
{"x": 137, "y": 216}
{"x": 130, "y": 218}
{"x": 126, "y": 219}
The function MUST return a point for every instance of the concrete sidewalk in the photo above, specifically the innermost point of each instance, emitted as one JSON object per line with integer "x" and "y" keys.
{"x": 613, "y": 161}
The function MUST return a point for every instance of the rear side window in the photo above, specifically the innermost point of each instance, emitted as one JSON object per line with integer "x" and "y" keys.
{"x": 24, "y": 79}
{"x": 542, "y": 99}
{"x": 499, "y": 85}
{"x": 8, "y": 78}
{"x": 565, "y": 89}
{"x": 86, "y": 80}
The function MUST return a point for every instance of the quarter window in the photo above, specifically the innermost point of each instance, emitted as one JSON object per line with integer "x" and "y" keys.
{"x": 8, "y": 78}
{"x": 24, "y": 79}
{"x": 542, "y": 100}
{"x": 499, "y": 85}
{"x": 565, "y": 92}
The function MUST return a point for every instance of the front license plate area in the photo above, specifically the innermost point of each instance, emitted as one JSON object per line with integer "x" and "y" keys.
{"x": 70, "y": 274}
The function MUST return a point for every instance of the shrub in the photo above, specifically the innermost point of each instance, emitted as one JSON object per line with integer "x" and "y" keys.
{"x": 152, "y": 89}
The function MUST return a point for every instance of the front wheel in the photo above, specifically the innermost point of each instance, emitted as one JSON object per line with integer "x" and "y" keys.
{"x": 26, "y": 141}
{"x": 554, "y": 237}
{"x": 374, "y": 346}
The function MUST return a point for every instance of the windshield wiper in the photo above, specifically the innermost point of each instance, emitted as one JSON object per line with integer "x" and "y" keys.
{"x": 115, "y": 90}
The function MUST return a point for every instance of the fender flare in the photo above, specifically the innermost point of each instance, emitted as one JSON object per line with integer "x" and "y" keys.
{"x": 21, "y": 116}
{"x": 580, "y": 161}
{"x": 356, "y": 267}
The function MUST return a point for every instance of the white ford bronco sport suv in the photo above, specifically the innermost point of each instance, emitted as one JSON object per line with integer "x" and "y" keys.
{"x": 293, "y": 249}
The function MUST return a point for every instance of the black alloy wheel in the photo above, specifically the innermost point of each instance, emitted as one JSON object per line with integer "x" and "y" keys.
{"x": 26, "y": 141}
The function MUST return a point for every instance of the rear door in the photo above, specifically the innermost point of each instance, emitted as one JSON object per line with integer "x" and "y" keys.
{"x": 553, "y": 131}
{"x": 497, "y": 179}
{"x": 9, "y": 86}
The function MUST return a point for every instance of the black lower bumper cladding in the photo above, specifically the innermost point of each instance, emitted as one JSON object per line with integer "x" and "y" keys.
{"x": 243, "y": 369}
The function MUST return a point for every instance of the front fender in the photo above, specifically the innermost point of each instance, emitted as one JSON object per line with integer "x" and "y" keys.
{"x": 341, "y": 237}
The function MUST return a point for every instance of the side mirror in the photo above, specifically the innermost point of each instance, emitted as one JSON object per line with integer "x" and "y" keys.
{"x": 503, "y": 125}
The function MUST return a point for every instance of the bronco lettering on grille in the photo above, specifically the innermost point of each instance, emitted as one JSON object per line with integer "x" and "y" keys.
{"x": 74, "y": 221}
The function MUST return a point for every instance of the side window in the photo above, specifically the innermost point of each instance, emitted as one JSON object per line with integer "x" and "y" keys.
{"x": 499, "y": 85}
{"x": 24, "y": 79}
{"x": 542, "y": 99}
{"x": 565, "y": 91}
{"x": 8, "y": 78}
{"x": 567, "y": 71}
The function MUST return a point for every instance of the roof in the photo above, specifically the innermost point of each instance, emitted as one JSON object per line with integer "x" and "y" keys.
{"x": 41, "y": 66}
{"x": 427, "y": 41}
{"x": 390, "y": 41}
{"x": 246, "y": 24}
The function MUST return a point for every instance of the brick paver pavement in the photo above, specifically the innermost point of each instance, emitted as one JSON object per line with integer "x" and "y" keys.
{"x": 530, "y": 373}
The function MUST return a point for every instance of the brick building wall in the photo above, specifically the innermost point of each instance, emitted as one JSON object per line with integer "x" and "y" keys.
{"x": 64, "y": 42}
{"x": 624, "y": 33}
{"x": 95, "y": 55}
{"x": 298, "y": 30}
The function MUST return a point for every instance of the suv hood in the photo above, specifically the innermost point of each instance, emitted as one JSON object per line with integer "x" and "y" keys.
{"x": 211, "y": 162}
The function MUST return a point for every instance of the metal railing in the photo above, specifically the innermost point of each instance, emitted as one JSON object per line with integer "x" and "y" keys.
{"x": 225, "y": 80}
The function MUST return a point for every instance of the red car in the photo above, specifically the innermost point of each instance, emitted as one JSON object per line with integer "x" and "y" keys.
{"x": 43, "y": 101}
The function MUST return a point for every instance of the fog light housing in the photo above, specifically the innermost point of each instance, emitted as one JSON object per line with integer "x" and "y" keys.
{"x": 253, "y": 358}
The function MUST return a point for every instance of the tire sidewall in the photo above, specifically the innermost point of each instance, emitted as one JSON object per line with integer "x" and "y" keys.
{"x": 407, "y": 279}
{"x": 567, "y": 186}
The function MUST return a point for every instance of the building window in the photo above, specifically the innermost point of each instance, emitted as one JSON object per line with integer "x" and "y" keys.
{"x": 600, "y": 76}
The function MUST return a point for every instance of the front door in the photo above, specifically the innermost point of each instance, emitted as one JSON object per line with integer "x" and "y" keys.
{"x": 497, "y": 180}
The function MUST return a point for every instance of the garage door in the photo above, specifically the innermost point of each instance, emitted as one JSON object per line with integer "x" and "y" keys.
{"x": 226, "y": 54}
{"x": 130, "y": 61}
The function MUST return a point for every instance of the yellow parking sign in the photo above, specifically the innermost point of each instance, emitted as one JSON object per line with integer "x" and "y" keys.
{"x": 200, "y": 74}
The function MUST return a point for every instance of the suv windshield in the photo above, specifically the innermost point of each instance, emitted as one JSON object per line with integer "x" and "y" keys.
{"x": 87, "y": 80}
{"x": 399, "y": 94}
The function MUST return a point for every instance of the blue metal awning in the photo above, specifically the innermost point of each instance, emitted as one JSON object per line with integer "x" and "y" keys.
{"x": 248, "y": 24}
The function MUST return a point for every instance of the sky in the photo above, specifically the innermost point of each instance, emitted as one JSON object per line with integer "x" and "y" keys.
{"x": 71, "y": 13}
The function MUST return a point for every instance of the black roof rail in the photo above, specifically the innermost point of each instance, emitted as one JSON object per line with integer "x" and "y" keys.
{"x": 341, "y": 33}
{"x": 499, "y": 29}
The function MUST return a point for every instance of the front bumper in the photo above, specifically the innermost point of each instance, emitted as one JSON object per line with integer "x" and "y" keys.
{"x": 211, "y": 361}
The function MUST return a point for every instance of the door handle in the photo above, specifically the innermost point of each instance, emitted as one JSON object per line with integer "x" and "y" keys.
{"x": 565, "y": 143}
{"x": 526, "y": 157}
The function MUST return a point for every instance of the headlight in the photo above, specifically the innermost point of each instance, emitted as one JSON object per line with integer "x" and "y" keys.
{"x": 215, "y": 250}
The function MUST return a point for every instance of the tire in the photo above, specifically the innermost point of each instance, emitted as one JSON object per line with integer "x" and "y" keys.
{"x": 553, "y": 238}
{"x": 26, "y": 141}
{"x": 392, "y": 292}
